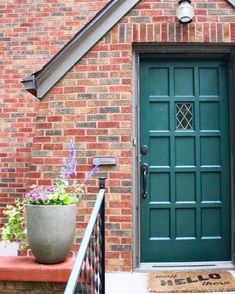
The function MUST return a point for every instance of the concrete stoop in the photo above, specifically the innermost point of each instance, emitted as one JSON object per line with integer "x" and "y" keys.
{"x": 132, "y": 283}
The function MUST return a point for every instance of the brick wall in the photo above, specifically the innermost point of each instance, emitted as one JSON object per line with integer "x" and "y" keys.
{"x": 92, "y": 104}
{"x": 11, "y": 287}
{"x": 31, "y": 32}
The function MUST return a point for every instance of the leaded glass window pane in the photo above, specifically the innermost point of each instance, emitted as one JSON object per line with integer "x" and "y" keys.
{"x": 184, "y": 116}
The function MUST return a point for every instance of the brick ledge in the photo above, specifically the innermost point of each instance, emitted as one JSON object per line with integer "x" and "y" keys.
{"x": 25, "y": 268}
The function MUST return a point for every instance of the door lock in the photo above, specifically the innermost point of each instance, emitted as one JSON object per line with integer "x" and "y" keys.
{"x": 144, "y": 149}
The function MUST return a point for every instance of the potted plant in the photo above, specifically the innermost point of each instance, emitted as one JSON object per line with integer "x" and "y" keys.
{"x": 46, "y": 217}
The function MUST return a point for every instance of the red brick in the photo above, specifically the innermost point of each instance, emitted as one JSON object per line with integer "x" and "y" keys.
{"x": 44, "y": 125}
{"x": 53, "y": 146}
{"x": 96, "y": 146}
{"x": 112, "y": 254}
{"x": 54, "y": 118}
{"x": 74, "y": 89}
{"x": 232, "y": 29}
{"x": 120, "y": 219}
{"x": 75, "y": 132}
{"x": 108, "y": 124}
{"x": 135, "y": 33}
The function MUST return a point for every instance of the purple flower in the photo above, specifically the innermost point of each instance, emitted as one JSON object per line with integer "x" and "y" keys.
{"x": 40, "y": 193}
{"x": 91, "y": 173}
{"x": 69, "y": 164}
{"x": 62, "y": 191}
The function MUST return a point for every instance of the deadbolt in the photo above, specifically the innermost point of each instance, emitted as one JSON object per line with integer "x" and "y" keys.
{"x": 144, "y": 149}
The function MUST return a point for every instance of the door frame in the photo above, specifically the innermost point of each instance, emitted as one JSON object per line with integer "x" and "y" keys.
{"x": 183, "y": 50}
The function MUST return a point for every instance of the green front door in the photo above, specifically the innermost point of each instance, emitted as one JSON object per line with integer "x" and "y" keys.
{"x": 185, "y": 205}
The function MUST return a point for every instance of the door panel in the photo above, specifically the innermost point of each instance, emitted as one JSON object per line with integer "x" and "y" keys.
{"x": 184, "y": 121}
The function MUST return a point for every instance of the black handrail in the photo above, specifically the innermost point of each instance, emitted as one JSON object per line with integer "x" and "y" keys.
{"x": 88, "y": 273}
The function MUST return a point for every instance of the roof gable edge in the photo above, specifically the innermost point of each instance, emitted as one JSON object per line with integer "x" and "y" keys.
{"x": 42, "y": 81}
{"x": 231, "y": 2}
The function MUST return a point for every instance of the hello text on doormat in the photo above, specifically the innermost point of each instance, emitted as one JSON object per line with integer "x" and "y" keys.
{"x": 190, "y": 281}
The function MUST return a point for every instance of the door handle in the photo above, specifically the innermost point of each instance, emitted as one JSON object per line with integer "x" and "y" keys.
{"x": 144, "y": 170}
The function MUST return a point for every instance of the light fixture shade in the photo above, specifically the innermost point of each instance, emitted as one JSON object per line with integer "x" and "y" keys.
{"x": 185, "y": 11}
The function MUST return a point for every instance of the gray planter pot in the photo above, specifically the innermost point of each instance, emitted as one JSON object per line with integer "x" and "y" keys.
{"x": 50, "y": 231}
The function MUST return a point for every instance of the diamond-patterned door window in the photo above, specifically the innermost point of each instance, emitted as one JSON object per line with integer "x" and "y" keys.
{"x": 184, "y": 116}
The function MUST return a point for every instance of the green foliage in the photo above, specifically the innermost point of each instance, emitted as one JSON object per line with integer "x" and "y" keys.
{"x": 61, "y": 192}
{"x": 15, "y": 228}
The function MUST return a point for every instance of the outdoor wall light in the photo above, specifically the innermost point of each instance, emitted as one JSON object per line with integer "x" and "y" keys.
{"x": 185, "y": 11}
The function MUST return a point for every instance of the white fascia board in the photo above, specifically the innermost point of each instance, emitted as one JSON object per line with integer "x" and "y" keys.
{"x": 231, "y": 2}
{"x": 55, "y": 69}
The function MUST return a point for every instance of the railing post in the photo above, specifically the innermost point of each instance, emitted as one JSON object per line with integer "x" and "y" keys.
{"x": 88, "y": 276}
{"x": 102, "y": 214}
{"x": 102, "y": 182}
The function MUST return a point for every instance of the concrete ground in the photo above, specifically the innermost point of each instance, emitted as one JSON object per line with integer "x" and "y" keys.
{"x": 132, "y": 283}
{"x": 126, "y": 283}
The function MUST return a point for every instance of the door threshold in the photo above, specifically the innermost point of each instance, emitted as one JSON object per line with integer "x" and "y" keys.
{"x": 171, "y": 266}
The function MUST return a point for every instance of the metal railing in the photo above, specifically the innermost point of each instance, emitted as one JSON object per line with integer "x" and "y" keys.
{"x": 88, "y": 273}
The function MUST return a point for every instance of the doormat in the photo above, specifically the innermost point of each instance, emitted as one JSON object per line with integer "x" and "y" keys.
{"x": 190, "y": 281}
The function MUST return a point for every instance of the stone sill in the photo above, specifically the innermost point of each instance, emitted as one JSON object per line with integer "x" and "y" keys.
{"x": 25, "y": 268}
